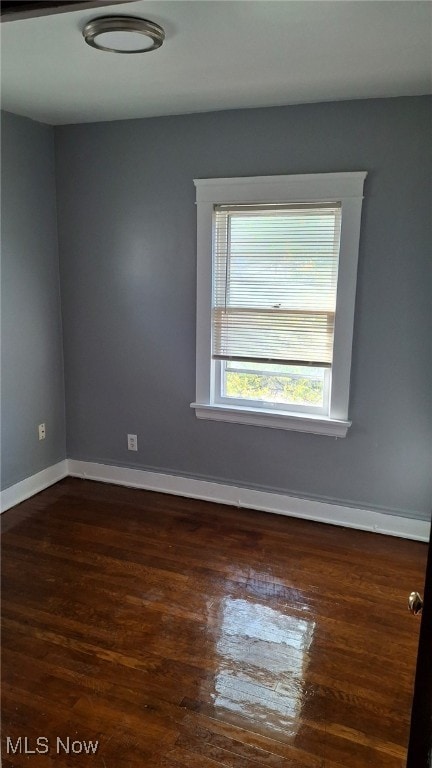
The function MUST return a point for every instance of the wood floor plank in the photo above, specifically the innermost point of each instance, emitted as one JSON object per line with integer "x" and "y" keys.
{"x": 184, "y": 634}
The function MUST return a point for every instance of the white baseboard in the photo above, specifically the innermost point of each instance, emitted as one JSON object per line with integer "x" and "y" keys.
{"x": 281, "y": 504}
{"x": 323, "y": 512}
{"x": 19, "y": 492}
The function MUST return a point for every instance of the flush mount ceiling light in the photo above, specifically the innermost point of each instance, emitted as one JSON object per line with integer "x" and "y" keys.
{"x": 123, "y": 34}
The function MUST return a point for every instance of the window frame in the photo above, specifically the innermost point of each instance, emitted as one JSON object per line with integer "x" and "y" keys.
{"x": 346, "y": 188}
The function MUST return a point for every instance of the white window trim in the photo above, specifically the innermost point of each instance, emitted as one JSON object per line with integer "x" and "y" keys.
{"x": 346, "y": 188}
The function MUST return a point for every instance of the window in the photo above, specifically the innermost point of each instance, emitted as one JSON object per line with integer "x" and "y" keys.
{"x": 277, "y": 264}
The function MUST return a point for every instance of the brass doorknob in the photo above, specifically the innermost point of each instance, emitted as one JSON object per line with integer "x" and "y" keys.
{"x": 415, "y": 603}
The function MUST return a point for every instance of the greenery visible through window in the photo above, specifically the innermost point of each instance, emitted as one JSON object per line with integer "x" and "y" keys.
{"x": 300, "y": 385}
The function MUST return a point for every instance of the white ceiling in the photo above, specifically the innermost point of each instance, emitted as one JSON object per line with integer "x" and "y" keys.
{"x": 217, "y": 55}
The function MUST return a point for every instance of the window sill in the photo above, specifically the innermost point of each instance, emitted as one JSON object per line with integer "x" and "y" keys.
{"x": 317, "y": 425}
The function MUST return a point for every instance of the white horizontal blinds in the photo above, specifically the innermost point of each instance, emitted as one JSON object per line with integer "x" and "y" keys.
{"x": 274, "y": 286}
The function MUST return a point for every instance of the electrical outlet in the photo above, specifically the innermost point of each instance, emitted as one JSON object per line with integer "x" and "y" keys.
{"x": 132, "y": 442}
{"x": 41, "y": 429}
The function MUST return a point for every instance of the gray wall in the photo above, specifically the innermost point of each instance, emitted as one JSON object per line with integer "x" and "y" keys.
{"x": 32, "y": 389}
{"x": 127, "y": 224}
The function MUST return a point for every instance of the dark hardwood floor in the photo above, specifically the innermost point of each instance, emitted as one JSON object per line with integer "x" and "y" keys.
{"x": 185, "y": 634}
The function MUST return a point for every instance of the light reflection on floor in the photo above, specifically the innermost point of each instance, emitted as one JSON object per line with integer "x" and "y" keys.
{"x": 259, "y": 650}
